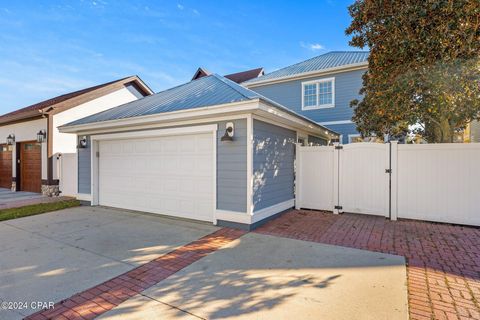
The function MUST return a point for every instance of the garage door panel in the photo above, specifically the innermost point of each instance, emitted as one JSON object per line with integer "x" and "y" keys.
{"x": 167, "y": 175}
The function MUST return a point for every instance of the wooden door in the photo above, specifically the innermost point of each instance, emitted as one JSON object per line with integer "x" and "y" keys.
{"x": 31, "y": 166}
{"x": 5, "y": 166}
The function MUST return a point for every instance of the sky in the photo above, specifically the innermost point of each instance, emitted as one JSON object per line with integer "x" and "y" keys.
{"x": 48, "y": 48}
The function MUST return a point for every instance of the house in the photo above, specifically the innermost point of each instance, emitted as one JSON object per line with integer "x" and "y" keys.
{"x": 30, "y": 143}
{"x": 319, "y": 88}
{"x": 238, "y": 77}
{"x": 208, "y": 150}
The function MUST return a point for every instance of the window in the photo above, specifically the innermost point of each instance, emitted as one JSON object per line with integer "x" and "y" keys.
{"x": 318, "y": 94}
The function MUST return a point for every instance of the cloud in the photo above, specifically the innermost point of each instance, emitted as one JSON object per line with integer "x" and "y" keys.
{"x": 312, "y": 46}
{"x": 180, "y": 7}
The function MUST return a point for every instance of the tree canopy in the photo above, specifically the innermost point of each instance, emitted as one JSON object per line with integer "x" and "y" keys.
{"x": 424, "y": 66}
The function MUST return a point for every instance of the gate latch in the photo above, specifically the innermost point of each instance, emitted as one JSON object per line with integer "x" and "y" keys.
{"x": 388, "y": 170}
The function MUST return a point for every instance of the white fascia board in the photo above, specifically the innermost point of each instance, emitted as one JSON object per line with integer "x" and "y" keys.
{"x": 210, "y": 111}
{"x": 155, "y": 133}
{"x": 323, "y": 72}
{"x": 298, "y": 122}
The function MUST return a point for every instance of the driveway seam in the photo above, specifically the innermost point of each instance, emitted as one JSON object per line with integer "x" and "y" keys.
{"x": 72, "y": 246}
{"x": 97, "y": 300}
{"x": 172, "y": 306}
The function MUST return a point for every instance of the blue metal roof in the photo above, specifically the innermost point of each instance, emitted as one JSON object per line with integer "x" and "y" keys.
{"x": 207, "y": 91}
{"x": 325, "y": 61}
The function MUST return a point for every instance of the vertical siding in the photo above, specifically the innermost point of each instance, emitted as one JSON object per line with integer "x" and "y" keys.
{"x": 316, "y": 141}
{"x": 84, "y": 167}
{"x": 232, "y": 168}
{"x": 273, "y": 164}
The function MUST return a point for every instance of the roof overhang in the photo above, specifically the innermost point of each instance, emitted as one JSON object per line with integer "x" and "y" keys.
{"x": 303, "y": 75}
{"x": 76, "y": 101}
{"x": 256, "y": 106}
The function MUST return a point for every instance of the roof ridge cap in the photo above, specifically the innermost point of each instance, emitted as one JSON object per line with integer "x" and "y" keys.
{"x": 233, "y": 85}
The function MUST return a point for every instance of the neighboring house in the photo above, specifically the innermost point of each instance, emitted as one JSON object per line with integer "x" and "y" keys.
{"x": 238, "y": 77}
{"x": 208, "y": 150}
{"x": 30, "y": 143}
{"x": 319, "y": 88}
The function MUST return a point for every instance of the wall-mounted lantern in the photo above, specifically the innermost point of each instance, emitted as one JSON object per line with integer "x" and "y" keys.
{"x": 82, "y": 142}
{"x": 41, "y": 136}
{"x": 11, "y": 139}
{"x": 229, "y": 132}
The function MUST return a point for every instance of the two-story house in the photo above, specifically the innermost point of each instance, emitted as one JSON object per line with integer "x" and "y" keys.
{"x": 319, "y": 88}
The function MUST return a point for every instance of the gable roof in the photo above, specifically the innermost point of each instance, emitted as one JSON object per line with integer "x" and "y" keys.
{"x": 325, "y": 62}
{"x": 207, "y": 91}
{"x": 238, "y": 77}
{"x": 61, "y": 103}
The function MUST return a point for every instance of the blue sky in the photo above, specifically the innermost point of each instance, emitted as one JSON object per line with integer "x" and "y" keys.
{"x": 49, "y": 48}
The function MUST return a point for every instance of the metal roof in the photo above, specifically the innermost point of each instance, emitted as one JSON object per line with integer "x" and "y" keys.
{"x": 207, "y": 91}
{"x": 333, "y": 59}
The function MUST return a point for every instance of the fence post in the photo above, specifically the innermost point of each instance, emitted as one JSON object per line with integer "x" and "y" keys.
{"x": 298, "y": 179}
{"x": 394, "y": 181}
{"x": 336, "y": 174}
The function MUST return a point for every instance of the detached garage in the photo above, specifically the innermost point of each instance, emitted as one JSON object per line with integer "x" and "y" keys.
{"x": 207, "y": 150}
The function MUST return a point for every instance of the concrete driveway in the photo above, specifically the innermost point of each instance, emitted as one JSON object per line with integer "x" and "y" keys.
{"x": 51, "y": 256}
{"x": 266, "y": 277}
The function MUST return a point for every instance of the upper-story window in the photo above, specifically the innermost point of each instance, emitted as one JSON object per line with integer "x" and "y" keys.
{"x": 318, "y": 94}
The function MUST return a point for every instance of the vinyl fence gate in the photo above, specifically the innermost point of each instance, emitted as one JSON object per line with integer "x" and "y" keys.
{"x": 434, "y": 182}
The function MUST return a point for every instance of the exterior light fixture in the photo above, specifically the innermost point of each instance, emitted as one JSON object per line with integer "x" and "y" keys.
{"x": 82, "y": 142}
{"x": 11, "y": 139}
{"x": 229, "y": 131}
{"x": 41, "y": 136}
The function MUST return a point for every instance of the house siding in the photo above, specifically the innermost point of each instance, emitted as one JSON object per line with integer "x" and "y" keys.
{"x": 231, "y": 168}
{"x": 84, "y": 168}
{"x": 316, "y": 141}
{"x": 289, "y": 94}
{"x": 273, "y": 164}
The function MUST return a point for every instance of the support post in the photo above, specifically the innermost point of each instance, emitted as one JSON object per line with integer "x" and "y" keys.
{"x": 336, "y": 178}
{"x": 394, "y": 181}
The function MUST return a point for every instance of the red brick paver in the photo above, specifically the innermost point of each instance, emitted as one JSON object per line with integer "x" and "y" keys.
{"x": 443, "y": 261}
{"x": 103, "y": 297}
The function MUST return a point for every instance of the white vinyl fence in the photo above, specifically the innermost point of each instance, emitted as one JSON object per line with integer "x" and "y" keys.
{"x": 434, "y": 182}
{"x": 68, "y": 174}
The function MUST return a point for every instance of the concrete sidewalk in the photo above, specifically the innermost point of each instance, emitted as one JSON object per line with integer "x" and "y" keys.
{"x": 15, "y": 199}
{"x": 266, "y": 277}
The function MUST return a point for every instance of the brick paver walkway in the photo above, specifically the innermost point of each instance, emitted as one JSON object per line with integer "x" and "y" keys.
{"x": 103, "y": 297}
{"x": 443, "y": 261}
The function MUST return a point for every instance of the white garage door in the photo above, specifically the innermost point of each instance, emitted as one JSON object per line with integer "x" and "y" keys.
{"x": 170, "y": 175}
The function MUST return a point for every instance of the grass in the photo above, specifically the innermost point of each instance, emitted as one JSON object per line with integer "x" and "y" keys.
{"x": 14, "y": 213}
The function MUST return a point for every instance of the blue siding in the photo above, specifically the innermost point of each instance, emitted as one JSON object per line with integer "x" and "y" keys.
{"x": 345, "y": 130}
{"x": 84, "y": 168}
{"x": 231, "y": 168}
{"x": 273, "y": 164}
{"x": 316, "y": 141}
{"x": 289, "y": 94}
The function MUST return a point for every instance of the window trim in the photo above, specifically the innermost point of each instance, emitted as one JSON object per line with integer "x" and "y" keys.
{"x": 318, "y": 106}
{"x": 351, "y": 136}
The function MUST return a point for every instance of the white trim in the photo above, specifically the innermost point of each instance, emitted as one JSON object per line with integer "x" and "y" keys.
{"x": 326, "y": 123}
{"x": 351, "y": 67}
{"x": 233, "y": 216}
{"x": 214, "y": 171}
{"x": 218, "y": 110}
{"x": 155, "y": 133}
{"x": 84, "y": 197}
{"x": 318, "y": 105}
{"x": 249, "y": 165}
{"x": 351, "y": 136}
{"x": 267, "y": 212}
